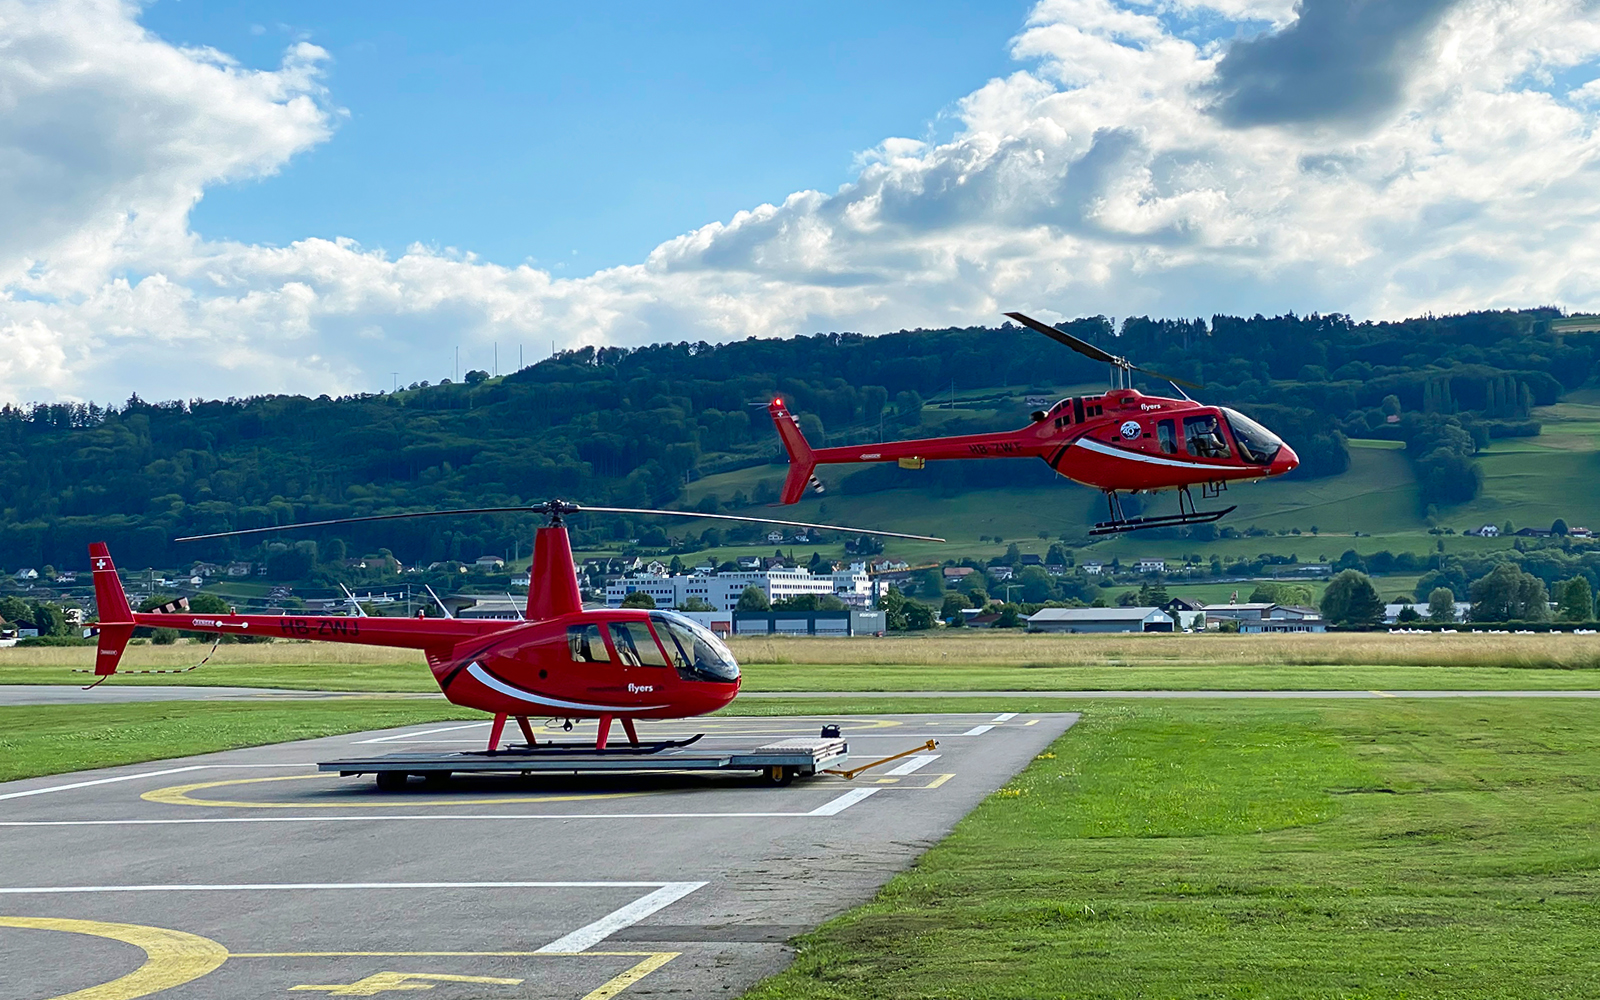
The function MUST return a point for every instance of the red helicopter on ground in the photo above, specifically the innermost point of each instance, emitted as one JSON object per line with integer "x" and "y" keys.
{"x": 562, "y": 661}
{"x": 1121, "y": 442}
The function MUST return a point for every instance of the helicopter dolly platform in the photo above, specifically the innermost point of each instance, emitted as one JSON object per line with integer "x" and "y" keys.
{"x": 778, "y": 763}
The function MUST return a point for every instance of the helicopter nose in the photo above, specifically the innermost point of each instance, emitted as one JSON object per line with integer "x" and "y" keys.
{"x": 1284, "y": 461}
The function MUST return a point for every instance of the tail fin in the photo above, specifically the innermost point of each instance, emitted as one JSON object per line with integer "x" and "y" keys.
{"x": 801, "y": 462}
{"x": 116, "y": 617}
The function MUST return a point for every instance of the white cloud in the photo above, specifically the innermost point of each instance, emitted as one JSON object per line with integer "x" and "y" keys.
{"x": 1099, "y": 177}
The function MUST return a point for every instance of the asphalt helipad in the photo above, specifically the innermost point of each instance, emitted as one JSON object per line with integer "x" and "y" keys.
{"x": 249, "y": 874}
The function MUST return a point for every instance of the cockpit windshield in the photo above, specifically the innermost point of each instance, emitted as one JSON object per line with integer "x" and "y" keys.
{"x": 1257, "y": 445}
{"x": 697, "y": 654}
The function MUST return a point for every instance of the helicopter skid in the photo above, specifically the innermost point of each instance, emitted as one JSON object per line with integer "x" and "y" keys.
{"x": 1163, "y": 521}
{"x": 779, "y": 762}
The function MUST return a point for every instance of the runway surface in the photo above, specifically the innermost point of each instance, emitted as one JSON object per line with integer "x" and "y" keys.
{"x": 42, "y": 694}
{"x": 248, "y": 874}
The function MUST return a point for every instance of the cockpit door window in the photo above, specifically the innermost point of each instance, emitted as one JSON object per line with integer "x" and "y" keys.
{"x": 636, "y": 647}
{"x": 1202, "y": 435}
{"x": 586, "y": 644}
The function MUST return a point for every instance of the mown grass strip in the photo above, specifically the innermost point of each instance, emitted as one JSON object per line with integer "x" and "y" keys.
{"x": 1228, "y": 849}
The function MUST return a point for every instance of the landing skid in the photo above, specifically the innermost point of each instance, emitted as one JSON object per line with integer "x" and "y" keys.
{"x": 587, "y": 749}
{"x": 1119, "y": 523}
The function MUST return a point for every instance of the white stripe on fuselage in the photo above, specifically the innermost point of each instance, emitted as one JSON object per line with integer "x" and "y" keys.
{"x": 1134, "y": 456}
{"x": 488, "y": 680}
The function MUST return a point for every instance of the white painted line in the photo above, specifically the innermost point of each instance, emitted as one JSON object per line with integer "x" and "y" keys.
{"x": 194, "y": 767}
{"x": 977, "y": 730}
{"x": 1005, "y": 717}
{"x": 100, "y": 781}
{"x": 432, "y": 818}
{"x": 588, "y": 936}
{"x": 303, "y": 886}
{"x": 403, "y": 737}
{"x": 843, "y": 802}
{"x": 921, "y": 760}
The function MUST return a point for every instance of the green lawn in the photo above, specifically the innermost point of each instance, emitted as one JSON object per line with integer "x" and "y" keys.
{"x": 52, "y": 739}
{"x": 1321, "y": 850}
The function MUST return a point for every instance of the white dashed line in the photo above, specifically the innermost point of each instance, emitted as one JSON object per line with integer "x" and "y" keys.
{"x": 588, "y": 936}
{"x": 919, "y": 761}
{"x": 1005, "y": 717}
{"x": 977, "y": 730}
{"x": 843, "y": 802}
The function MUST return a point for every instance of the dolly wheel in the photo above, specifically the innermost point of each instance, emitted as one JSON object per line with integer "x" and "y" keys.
{"x": 777, "y": 776}
{"x": 436, "y": 779}
{"x": 391, "y": 781}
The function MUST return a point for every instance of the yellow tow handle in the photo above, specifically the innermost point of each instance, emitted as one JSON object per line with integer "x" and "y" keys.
{"x": 847, "y": 775}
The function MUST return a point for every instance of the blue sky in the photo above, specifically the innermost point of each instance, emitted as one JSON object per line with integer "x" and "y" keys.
{"x": 285, "y": 194}
{"x": 523, "y": 131}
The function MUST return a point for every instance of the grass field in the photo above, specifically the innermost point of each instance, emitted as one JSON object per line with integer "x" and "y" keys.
{"x": 945, "y": 660}
{"x": 1327, "y": 850}
{"x": 52, "y": 739}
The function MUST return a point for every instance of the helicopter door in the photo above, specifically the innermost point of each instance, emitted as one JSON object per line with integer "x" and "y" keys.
{"x": 1167, "y": 437}
{"x": 586, "y": 644}
{"x": 636, "y": 647}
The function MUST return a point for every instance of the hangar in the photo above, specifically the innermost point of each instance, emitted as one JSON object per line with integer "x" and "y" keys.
{"x": 1100, "y": 620}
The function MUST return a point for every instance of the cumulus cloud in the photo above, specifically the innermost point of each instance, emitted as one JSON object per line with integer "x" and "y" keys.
{"x": 1332, "y": 156}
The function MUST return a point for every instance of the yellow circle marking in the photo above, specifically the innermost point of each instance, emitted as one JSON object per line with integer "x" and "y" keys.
{"x": 178, "y": 795}
{"x": 172, "y": 958}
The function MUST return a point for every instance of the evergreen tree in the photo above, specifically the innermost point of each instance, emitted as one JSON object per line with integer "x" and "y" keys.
{"x": 1577, "y": 600}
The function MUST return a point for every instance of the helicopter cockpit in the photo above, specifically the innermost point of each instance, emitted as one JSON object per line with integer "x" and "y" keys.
{"x": 695, "y": 650}
{"x": 1257, "y": 445}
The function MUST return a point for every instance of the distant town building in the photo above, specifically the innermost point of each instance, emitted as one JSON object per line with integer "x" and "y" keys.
{"x": 1000, "y": 572}
{"x": 27, "y": 573}
{"x": 489, "y": 563}
{"x": 1093, "y": 568}
{"x": 722, "y": 591}
{"x": 1484, "y": 531}
{"x": 1152, "y": 565}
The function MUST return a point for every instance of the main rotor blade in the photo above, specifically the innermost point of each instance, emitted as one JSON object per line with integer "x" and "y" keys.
{"x": 534, "y": 509}
{"x": 766, "y": 520}
{"x": 1083, "y": 347}
{"x": 1088, "y": 350}
{"x": 356, "y": 520}
{"x": 1167, "y": 378}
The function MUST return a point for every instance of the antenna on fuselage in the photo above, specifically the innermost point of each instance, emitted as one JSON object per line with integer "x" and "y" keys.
{"x": 514, "y": 607}
{"x": 360, "y": 611}
{"x": 436, "y": 600}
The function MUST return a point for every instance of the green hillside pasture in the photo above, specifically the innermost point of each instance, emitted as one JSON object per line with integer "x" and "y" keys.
{"x": 1230, "y": 849}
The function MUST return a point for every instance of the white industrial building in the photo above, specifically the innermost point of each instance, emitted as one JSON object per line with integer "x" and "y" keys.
{"x": 722, "y": 590}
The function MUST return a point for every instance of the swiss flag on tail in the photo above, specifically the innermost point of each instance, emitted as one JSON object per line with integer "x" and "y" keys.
{"x": 116, "y": 617}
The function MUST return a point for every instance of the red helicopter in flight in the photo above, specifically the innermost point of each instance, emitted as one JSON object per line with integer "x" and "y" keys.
{"x": 562, "y": 661}
{"x": 1120, "y": 442}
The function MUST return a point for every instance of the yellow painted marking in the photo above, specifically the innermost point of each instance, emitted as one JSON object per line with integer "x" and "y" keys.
{"x": 617, "y": 984}
{"x": 941, "y": 779}
{"x": 172, "y": 958}
{"x": 440, "y": 954}
{"x": 178, "y": 795}
{"x": 386, "y": 982}
{"x": 888, "y": 781}
{"x": 1033, "y": 722}
{"x": 1383, "y": 694}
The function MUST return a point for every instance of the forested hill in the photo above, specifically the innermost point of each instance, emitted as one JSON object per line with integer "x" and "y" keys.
{"x": 631, "y": 427}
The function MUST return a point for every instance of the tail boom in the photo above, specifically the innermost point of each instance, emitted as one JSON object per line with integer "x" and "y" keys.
{"x": 803, "y": 459}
